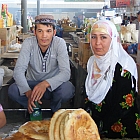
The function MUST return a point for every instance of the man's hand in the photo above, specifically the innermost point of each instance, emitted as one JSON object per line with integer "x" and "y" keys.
{"x": 39, "y": 90}
{"x": 30, "y": 101}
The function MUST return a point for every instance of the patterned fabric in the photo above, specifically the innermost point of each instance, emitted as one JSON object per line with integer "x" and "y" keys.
{"x": 45, "y": 21}
{"x": 102, "y": 27}
{"x": 117, "y": 115}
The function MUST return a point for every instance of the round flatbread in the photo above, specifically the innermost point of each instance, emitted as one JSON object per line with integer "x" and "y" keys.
{"x": 52, "y": 123}
{"x": 62, "y": 124}
{"x": 80, "y": 126}
{"x": 65, "y": 124}
{"x": 36, "y": 129}
{"x": 57, "y": 124}
{"x": 18, "y": 136}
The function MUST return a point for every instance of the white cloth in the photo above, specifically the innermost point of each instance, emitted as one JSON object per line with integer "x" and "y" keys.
{"x": 96, "y": 89}
{"x": 1, "y": 76}
{"x": 7, "y": 71}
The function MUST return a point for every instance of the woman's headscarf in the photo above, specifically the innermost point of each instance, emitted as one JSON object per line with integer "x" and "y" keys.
{"x": 99, "y": 81}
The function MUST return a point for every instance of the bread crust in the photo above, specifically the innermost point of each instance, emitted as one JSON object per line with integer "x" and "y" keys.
{"x": 52, "y": 123}
{"x": 80, "y": 126}
{"x": 18, "y": 136}
{"x": 57, "y": 128}
{"x": 36, "y": 129}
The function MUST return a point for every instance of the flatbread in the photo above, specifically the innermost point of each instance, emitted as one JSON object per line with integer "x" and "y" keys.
{"x": 62, "y": 124}
{"x": 61, "y": 129}
{"x": 18, "y": 136}
{"x": 65, "y": 124}
{"x": 57, "y": 124}
{"x": 36, "y": 129}
{"x": 80, "y": 126}
{"x": 52, "y": 123}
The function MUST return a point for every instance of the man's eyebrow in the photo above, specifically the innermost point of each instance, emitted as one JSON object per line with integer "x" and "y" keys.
{"x": 39, "y": 29}
{"x": 47, "y": 29}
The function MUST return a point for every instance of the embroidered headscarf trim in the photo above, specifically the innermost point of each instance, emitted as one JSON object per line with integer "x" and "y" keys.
{"x": 101, "y": 27}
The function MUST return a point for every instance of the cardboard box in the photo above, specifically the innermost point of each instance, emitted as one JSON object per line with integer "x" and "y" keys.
{"x": 5, "y": 42}
{"x": 5, "y": 33}
{"x": 84, "y": 52}
{"x": 74, "y": 50}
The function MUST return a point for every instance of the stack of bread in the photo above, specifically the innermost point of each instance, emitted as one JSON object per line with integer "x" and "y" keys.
{"x": 64, "y": 125}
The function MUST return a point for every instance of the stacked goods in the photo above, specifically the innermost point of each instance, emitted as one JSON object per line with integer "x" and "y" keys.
{"x": 69, "y": 29}
{"x": 66, "y": 25}
{"x": 64, "y": 125}
{"x": 87, "y": 32}
{"x": 7, "y": 17}
{"x": 4, "y": 36}
{"x": 7, "y": 29}
{"x": 88, "y": 22}
{"x": 129, "y": 33}
{"x": 1, "y": 22}
{"x": 7, "y": 35}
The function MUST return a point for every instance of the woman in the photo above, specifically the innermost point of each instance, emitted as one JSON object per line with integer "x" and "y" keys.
{"x": 111, "y": 84}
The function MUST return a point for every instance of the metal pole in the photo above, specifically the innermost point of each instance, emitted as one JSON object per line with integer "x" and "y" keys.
{"x": 24, "y": 15}
{"x": 38, "y": 7}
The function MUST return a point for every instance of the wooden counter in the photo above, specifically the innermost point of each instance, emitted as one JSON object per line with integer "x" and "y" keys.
{"x": 10, "y": 55}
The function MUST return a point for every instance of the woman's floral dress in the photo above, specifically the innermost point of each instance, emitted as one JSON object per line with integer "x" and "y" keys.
{"x": 117, "y": 115}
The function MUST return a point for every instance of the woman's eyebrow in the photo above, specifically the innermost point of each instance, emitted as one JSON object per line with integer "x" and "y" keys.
{"x": 100, "y": 34}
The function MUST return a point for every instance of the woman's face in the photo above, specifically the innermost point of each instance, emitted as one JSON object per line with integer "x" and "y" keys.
{"x": 100, "y": 43}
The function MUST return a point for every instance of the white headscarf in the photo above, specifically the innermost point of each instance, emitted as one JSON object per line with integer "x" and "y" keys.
{"x": 97, "y": 88}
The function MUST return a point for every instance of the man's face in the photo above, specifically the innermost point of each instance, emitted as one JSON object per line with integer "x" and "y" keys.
{"x": 44, "y": 34}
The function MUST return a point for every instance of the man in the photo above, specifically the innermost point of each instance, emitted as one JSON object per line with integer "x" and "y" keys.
{"x": 45, "y": 60}
{"x": 136, "y": 21}
{"x": 59, "y": 30}
{"x": 125, "y": 21}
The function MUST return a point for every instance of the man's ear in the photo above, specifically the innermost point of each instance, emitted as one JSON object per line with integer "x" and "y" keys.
{"x": 54, "y": 32}
{"x": 34, "y": 32}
